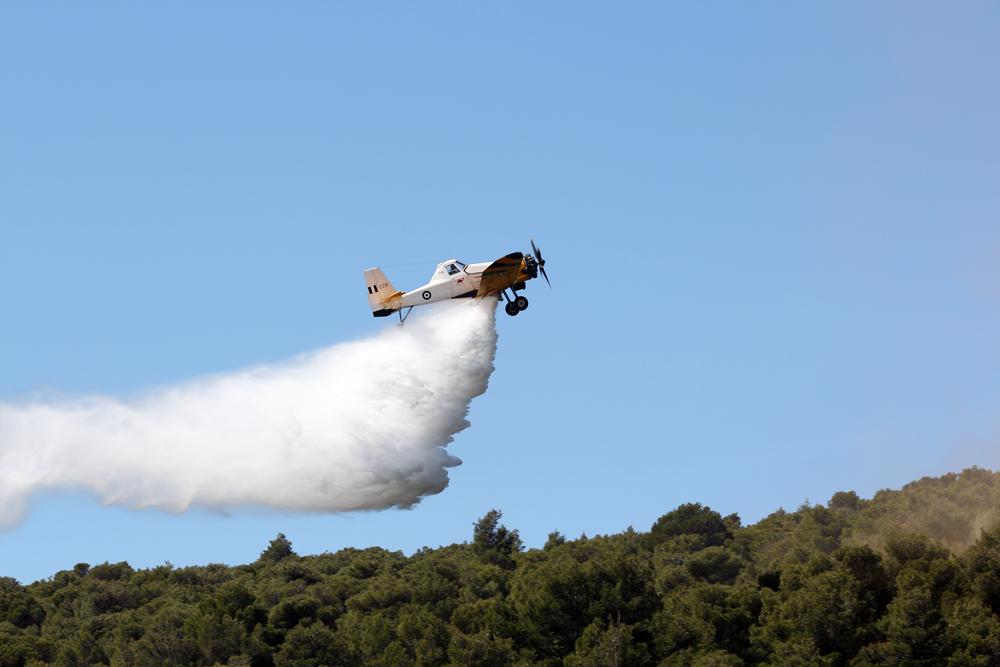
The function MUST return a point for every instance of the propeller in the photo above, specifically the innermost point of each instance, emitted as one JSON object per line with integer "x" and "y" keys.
{"x": 541, "y": 262}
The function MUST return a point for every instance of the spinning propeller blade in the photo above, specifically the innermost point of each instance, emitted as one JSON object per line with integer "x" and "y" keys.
{"x": 541, "y": 262}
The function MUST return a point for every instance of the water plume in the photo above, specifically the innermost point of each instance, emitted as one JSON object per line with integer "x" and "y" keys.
{"x": 360, "y": 425}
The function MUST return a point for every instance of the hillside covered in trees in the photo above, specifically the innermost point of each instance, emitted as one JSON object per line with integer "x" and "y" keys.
{"x": 910, "y": 577}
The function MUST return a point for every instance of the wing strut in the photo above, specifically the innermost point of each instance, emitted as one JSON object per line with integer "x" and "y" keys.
{"x": 402, "y": 317}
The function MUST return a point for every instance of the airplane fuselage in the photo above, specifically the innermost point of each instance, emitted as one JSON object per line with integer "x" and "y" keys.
{"x": 459, "y": 285}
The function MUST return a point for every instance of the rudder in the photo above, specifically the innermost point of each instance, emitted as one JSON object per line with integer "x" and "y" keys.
{"x": 380, "y": 289}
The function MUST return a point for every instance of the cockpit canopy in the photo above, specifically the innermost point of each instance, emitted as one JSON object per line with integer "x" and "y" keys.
{"x": 448, "y": 268}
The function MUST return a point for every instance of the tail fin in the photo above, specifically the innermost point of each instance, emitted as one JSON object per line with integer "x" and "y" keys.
{"x": 380, "y": 290}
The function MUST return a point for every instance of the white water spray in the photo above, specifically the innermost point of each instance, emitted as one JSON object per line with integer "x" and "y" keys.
{"x": 359, "y": 425}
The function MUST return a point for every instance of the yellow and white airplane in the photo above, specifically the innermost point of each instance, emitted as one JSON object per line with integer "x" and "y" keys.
{"x": 453, "y": 279}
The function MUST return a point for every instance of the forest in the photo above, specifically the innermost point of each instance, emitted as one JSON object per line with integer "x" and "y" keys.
{"x": 908, "y": 577}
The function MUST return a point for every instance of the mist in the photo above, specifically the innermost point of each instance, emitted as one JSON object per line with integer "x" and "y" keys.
{"x": 361, "y": 425}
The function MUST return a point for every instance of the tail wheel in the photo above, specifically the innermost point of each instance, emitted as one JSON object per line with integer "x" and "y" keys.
{"x": 521, "y": 303}
{"x": 511, "y": 308}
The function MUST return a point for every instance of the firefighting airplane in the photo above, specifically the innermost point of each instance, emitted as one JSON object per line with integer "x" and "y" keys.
{"x": 456, "y": 280}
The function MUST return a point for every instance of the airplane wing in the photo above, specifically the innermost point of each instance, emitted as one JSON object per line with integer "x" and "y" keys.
{"x": 501, "y": 274}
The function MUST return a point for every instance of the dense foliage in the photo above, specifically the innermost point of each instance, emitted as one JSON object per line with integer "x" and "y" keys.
{"x": 852, "y": 582}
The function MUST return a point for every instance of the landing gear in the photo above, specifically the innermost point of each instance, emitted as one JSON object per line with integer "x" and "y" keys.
{"x": 514, "y": 305}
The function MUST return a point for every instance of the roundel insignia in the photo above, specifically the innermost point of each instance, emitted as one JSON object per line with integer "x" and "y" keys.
{"x": 426, "y": 294}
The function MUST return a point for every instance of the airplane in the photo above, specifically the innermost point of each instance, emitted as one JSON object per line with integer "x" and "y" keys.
{"x": 453, "y": 279}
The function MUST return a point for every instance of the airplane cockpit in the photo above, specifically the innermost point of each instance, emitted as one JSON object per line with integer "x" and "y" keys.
{"x": 449, "y": 268}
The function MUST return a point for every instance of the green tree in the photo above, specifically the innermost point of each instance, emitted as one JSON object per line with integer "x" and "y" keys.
{"x": 313, "y": 646}
{"x": 705, "y": 618}
{"x": 278, "y": 549}
{"x": 565, "y": 589}
{"x": 972, "y": 634}
{"x": 20, "y": 646}
{"x": 982, "y": 568}
{"x": 164, "y": 640}
{"x": 913, "y": 626}
{"x": 17, "y": 606}
{"x": 424, "y": 635}
{"x": 692, "y": 519}
{"x": 481, "y": 649}
{"x": 607, "y": 645}
{"x": 817, "y": 609}
{"x": 493, "y": 542}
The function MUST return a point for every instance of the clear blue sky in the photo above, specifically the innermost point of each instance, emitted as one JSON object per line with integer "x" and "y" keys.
{"x": 773, "y": 231}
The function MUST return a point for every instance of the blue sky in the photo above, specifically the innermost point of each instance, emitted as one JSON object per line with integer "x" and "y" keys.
{"x": 773, "y": 231}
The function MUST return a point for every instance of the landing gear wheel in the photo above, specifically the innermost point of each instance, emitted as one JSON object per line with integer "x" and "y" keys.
{"x": 521, "y": 303}
{"x": 511, "y": 308}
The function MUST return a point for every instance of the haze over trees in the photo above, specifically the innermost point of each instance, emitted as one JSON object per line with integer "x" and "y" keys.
{"x": 910, "y": 577}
